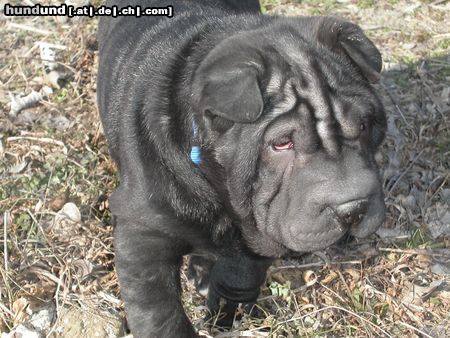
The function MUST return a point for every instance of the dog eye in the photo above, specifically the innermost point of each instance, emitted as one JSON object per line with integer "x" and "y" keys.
{"x": 286, "y": 145}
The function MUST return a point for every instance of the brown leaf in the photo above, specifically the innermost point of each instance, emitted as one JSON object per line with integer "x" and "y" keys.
{"x": 19, "y": 308}
{"x": 58, "y": 202}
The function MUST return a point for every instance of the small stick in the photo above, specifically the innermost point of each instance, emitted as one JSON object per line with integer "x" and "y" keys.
{"x": 6, "y": 310}
{"x": 5, "y": 238}
{"x": 437, "y": 190}
{"x": 312, "y": 265}
{"x": 414, "y": 252}
{"x": 437, "y": 2}
{"x": 13, "y": 25}
{"x": 405, "y": 171}
{"x": 19, "y": 103}
{"x": 39, "y": 139}
{"x": 415, "y": 329}
{"x": 397, "y": 106}
{"x": 339, "y": 308}
{"x": 31, "y": 50}
{"x": 37, "y": 224}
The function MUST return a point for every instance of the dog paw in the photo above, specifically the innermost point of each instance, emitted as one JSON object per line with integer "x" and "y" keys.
{"x": 198, "y": 273}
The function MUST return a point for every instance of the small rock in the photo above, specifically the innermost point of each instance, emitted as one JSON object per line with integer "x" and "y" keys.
{"x": 38, "y": 206}
{"x": 437, "y": 219}
{"x": 445, "y": 193}
{"x": 42, "y": 320}
{"x": 18, "y": 168}
{"x": 71, "y": 212}
{"x": 59, "y": 122}
{"x": 393, "y": 233}
{"x": 74, "y": 323}
{"x": 26, "y": 118}
{"x": 408, "y": 46}
{"x": 394, "y": 67}
{"x": 22, "y": 331}
{"x": 440, "y": 269}
{"x": 408, "y": 201}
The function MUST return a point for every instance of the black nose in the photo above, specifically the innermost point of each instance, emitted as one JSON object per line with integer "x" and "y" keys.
{"x": 351, "y": 213}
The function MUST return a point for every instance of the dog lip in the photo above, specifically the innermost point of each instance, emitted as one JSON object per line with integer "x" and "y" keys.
{"x": 316, "y": 240}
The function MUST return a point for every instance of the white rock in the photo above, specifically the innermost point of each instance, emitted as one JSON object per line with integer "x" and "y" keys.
{"x": 71, "y": 211}
{"x": 42, "y": 320}
{"x": 23, "y": 332}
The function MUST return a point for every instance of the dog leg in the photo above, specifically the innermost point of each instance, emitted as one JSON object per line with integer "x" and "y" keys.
{"x": 235, "y": 280}
{"x": 148, "y": 265}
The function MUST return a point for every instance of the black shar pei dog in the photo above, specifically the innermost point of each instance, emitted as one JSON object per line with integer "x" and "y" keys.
{"x": 238, "y": 135}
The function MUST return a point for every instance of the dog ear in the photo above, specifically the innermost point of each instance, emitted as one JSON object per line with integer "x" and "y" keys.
{"x": 226, "y": 85}
{"x": 342, "y": 36}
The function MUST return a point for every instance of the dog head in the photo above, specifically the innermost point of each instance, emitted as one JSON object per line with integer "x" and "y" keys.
{"x": 293, "y": 120}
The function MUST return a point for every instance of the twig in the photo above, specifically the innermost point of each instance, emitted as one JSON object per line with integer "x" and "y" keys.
{"x": 433, "y": 287}
{"x": 37, "y": 225}
{"x": 429, "y": 92}
{"x": 405, "y": 171}
{"x": 373, "y": 28}
{"x": 333, "y": 292}
{"x": 11, "y": 78}
{"x": 76, "y": 163}
{"x": 56, "y": 296}
{"x": 441, "y": 36}
{"x": 312, "y": 265}
{"x": 6, "y": 310}
{"x": 415, "y": 252}
{"x": 19, "y": 103}
{"x": 340, "y": 309}
{"x": 47, "y": 275}
{"x": 22, "y": 73}
{"x": 437, "y": 190}
{"x": 347, "y": 288}
{"x": 397, "y": 106}
{"x": 415, "y": 329}
{"x": 39, "y": 139}
{"x": 5, "y": 238}
{"x": 437, "y": 2}
{"x": 247, "y": 333}
{"x": 14, "y": 26}
{"x": 28, "y": 53}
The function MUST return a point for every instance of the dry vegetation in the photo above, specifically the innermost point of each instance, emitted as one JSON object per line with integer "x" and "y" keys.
{"x": 57, "y": 274}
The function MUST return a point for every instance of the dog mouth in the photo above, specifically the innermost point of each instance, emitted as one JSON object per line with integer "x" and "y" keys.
{"x": 306, "y": 241}
{"x": 354, "y": 218}
{"x": 330, "y": 230}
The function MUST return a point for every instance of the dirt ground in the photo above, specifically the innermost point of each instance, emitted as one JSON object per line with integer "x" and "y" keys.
{"x": 57, "y": 273}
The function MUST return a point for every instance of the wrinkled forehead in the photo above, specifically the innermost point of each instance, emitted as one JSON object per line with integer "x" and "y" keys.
{"x": 323, "y": 88}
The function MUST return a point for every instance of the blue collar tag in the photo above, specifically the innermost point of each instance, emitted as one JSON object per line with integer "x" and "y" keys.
{"x": 195, "y": 150}
{"x": 195, "y": 155}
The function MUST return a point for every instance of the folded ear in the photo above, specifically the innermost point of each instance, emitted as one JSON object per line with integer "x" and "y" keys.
{"x": 226, "y": 84}
{"x": 342, "y": 36}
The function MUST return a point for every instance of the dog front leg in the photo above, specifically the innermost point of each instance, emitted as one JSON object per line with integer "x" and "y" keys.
{"x": 235, "y": 279}
{"x": 148, "y": 265}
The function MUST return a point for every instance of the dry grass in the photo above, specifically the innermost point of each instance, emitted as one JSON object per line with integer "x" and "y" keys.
{"x": 57, "y": 273}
